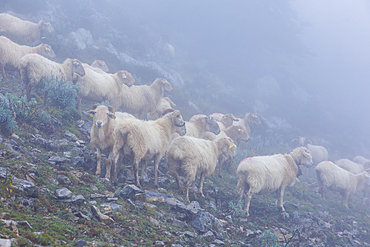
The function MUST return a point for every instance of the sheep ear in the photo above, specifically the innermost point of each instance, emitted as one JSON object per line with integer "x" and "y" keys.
{"x": 111, "y": 115}
{"x": 94, "y": 106}
{"x": 111, "y": 109}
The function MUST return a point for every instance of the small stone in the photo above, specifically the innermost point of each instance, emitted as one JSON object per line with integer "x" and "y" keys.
{"x": 209, "y": 236}
{"x": 5, "y": 216}
{"x": 190, "y": 234}
{"x": 158, "y": 243}
{"x": 70, "y": 136}
{"x": 80, "y": 243}
{"x": 101, "y": 217}
{"x": 130, "y": 191}
{"x": 63, "y": 193}
{"x": 57, "y": 159}
{"x": 5, "y": 242}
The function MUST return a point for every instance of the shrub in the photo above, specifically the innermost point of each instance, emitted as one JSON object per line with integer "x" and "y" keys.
{"x": 17, "y": 110}
{"x": 60, "y": 94}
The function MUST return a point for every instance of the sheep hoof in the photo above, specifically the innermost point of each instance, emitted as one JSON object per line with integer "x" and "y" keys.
{"x": 220, "y": 176}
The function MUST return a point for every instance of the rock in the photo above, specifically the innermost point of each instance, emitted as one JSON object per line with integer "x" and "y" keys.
{"x": 193, "y": 208}
{"x": 129, "y": 191}
{"x": 176, "y": 245}
{"x": 78, "y": 160}
{"x": 52, "y": 146}
{"x": 208, "y": 236}
{"x": 142, "y": 207}
{"x": 113, "y": 206}
{"x": 154, "y": 221}
{"x": 70, "y": 136}
{"x": 151, "y": 194}
{"x": 64, "y": 180}
{"x": 63, "y": 193}
{"x": 80, "y": 243}
{"x": 179, "y": 223}
{"x": 158, "y": 243}
{"x": 22, "y": 184}
{"x": 3, "y": 172}
{"x": 4, "y": 216}
{"x": 82, "y": 216}
{"x": 81, "y": 39}
{"x": 205, "y": 222}
{"x": 95, "y": 196}
{"x": 219, "y": 242}
{"x": 26, "y": 224}
{"x": 101, "y": 217}
{"x": 5, "y": 242}
{"x": 190, "y": 234}
{"x": 57, "y": 159}
{"x": 39, "y": 141}
{"x": 173, "y": 202}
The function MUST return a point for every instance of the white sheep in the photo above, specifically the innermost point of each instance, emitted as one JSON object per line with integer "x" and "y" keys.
{"x": 144, "y": 140}
{"x": 319, "y": 153}
{"x": 361, "y": 160}
{"x": 34, "y": 68}
{"x": 98, "y": 66}
{"x": 190, "y": 156}
{"x": 140, "y": 99}
{"x": 263, "y": 174}
{"x": 336, "y": 178}
{"x": 163, "y": 104}
{"x": 236, "y": 133}
{"x": 97, "y": 86}
{"x": 101, "y": 135}
{"x": 11, "y": 53}
{"x": 247, "y": 122}
{"x": 199, "y": 124}
{"x": 217, "y": 116}
{"x": 224, "y": 121}
{"x": 351, "y": 166}
{"x": 23, "y": 32}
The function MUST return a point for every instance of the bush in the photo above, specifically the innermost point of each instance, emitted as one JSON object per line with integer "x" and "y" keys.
{"x": 60, "y": 94}
{"x": 17, "y": 110}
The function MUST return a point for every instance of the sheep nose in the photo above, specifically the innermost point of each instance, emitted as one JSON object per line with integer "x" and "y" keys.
{"x": 99, "y": 123}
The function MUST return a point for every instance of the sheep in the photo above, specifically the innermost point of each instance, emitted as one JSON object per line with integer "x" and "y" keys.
{"x": 163, "y": 104}
{"x": 101, "y": 135}
{"x": 98, "y": 66}
{"x": 217, "y": 116}
{"x": 262, "y": 174}
{"x": 11, "y": 53}
{"x": 144, "y": 140}
{"x": 361, "y": 160}
{"x": 101, "y": 86}
{"x": 140, "y": 99}
{"x": 247, "y": 121}
{"x": 351, "y": 166}
{"x": 199, "y": 124}
{"x": 336, "y": 178}
{"x": 34, "y": 68}
{"x": 23, "y": 32}
{"x": 236, "y": 133}
{"x": 319, "y": 153}
{"x": 189, "y": 156}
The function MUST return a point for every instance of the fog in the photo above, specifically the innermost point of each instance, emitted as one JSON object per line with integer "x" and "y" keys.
{"x": 303, "y": 61}
{"x": 300, "y": 65}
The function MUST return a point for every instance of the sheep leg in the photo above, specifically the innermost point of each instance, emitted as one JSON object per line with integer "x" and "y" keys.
{"x": 156, "y": 164}
{"x": 143, "y": 170}
{"x": 241, "y": 190}
{"x": 202, "y": 176}
{"x": 116, "y": 168}
{"x": 109, "y": 167}
{"x": 280, "y": 199}
{"x": 98, "y": 158}
{"x": 28, "y": 91}
{"x": 187, "y": 190}
{"x": 321, "y": 191}
{"x": 136, "y": 174}
{"x": 220, "y": 164}
{"x": 345, "y": 198}
{"x": 79, "y": 99}
{"x": 248, "y": 198}
{"x": 2, "y": 67}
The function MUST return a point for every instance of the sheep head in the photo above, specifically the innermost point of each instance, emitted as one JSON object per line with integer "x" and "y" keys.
{"x": 46, "y": 51}
{"x": 164, "y": 84}
{"x": 252, "y": 119}
{"x": 226, "y": 147}
{"x": 77, "y": 67}
{"x": 211, "y": 125}
{"x": 366, "y": 177}
{"x": 237, "y": 133}
{"x": 301, "y": 141}
{"x": 228, "y": 119}
{"x": 45, "y": 26}
{"x": 302, "y": 156}
{"x": 102, "y": 114}
{"x": 101, "y": 65}
{"x": 125, "y": 77}
{"x": 177, "y": 118}
{"x": 181, "y": 130}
